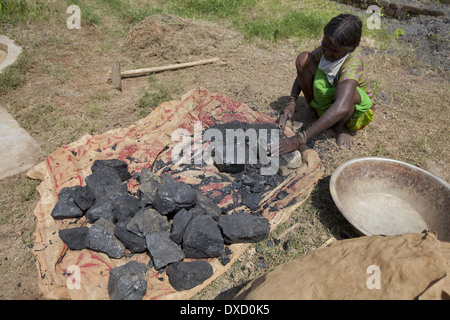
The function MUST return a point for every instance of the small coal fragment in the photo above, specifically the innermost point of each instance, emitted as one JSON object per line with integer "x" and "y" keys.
{"x": 243, "y": 228}
{"x": 66, "y": 206}
{"x": 248, "y": 181}
{"x": 226, "y": 256}
{"x": 121, "y": 167}
{"x": 163, "y": 250}
{"x": 147, "y": 220}
{"x": 173, "y": 196}
{"x": 83, "y": 197}
{"x": 286, "y": 246}
{"x": 131, "y": 241}
{"x": 252, "y": 200}
{"x": 101, "y": 238}
{"x": 180, "y": 222}
{"x": 258, "y": 188}
{"x": 261, "y": 263}
{"x": 127, "y": 282}
{"x": 75, "y": 238}
{"x": 187, "y": 275}
{"x": 103, "y": 181}
{"x": 202, "y": 238}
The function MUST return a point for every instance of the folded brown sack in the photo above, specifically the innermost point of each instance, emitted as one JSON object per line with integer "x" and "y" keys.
{"x": 409, "y": 266}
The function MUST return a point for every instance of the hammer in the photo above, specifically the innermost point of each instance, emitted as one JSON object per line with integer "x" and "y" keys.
{"x": 117, "y": 75}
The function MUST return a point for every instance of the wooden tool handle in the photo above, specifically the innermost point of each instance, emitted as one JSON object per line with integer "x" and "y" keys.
{"x": 146, "y": 71}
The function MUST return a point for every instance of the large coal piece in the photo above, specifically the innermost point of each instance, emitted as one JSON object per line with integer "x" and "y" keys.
{"x": 147, "y": 220}
{"x": 187, "y": 275}
{"x": 114, "y": 207}
{"x": 173, "y": 196}
{"x": 83, "y": 197}
{"x": 66, "y": 207}
{"x": 121, "y": 167}
{"x": 101, "y": 238}
{"x": 179, "y": 224}
{"x": 131, "y": 241}
{"x": 207, "y": 206}
{"x": 75, "y": 238}
{"x": 127, "y": 282}
{"x": 202, "y": 238}
{"x": 103, "y": 181}
{"x": 243, "y": 228}
{"x": 125, "y": 206}
{"x": 101, "y": 208}
{"x": 163, "y": 250}
{"x": 149, "y": 183}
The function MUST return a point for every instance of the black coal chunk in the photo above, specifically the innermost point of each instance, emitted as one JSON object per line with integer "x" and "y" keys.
{"x": 66, "y": 206}
{"x": 114, "y": 207}
{"x": 226, "y": 256}
{"x": 173, "y": 196}
{"x": 148, "y": 188}
{"x": 124, "y": 206}
{"x": 147, "y": 220}
{"x": 187, "y": 275}
{"x": 103, "y": 181}
{"x": 202, "y": 238}
{"x": 127, "y": 282}
{"x": 131, "y": 241}
{"x": 121, "y": 167}
{"x": 179, "y": 224}
{"x": 101, "y": 208}
{"x": 75, "y": 238}
{"x": 163, "y": 250}
{"x": 101, "y": 238}
{"x": 208, "y": 206}
{"x": 243, "y": 227}
{"x": 83, "y": 197}
{"x": 252, "y": 200}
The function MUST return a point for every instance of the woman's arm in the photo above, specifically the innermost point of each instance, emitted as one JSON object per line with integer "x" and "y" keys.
{"x": 339, "y": 113}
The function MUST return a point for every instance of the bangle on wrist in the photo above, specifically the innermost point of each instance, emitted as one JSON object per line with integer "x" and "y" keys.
{"x": 302, "y": 137}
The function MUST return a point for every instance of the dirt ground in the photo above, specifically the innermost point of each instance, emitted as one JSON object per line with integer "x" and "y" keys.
{"x": 66, "y": 94}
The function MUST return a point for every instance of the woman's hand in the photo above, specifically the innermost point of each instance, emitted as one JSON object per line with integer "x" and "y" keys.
{"x": 286, "y": 145}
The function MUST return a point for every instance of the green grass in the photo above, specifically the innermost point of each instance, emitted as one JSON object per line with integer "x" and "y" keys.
{"x": 150, "y": 100}
{"x": 17, "y": 11}
{"x": 14, "y": 75}
{"x": 130, "y": 13}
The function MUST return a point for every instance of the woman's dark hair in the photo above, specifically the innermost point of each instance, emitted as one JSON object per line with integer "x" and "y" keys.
{"x": 344, "y": 30}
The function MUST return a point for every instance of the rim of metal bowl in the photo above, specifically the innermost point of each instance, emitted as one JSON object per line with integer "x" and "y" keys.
{"x": 341, "y": 167}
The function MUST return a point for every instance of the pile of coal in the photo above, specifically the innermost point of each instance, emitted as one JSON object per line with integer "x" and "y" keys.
{"x": 166, "y": 219}
{"x": 248, "y": 183}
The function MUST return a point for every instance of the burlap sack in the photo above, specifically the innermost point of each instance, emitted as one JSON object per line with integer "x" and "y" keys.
{"x": 140, "y": 145}
{"x": 409, "y": 266}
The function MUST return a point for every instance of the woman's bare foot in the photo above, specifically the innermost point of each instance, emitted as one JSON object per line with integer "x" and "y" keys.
{"x": 343, "y": 137}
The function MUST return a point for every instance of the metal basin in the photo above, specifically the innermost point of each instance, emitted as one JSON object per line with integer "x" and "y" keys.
{"x": 3, "y": 52}
{"x": 9, "y": 52}
{"x": 390, "y": 197}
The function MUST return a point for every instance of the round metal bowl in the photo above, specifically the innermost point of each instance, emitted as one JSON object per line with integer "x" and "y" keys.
{"x": 390, "y": 197}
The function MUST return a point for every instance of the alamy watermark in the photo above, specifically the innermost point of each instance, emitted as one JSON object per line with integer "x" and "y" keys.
{"x": 74, "y": 21}
{"x": 234, "y": 146}
{"x": 374, "y": 280}
{"x": 374, "y": 21}
{"x": 74, "y": 279}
